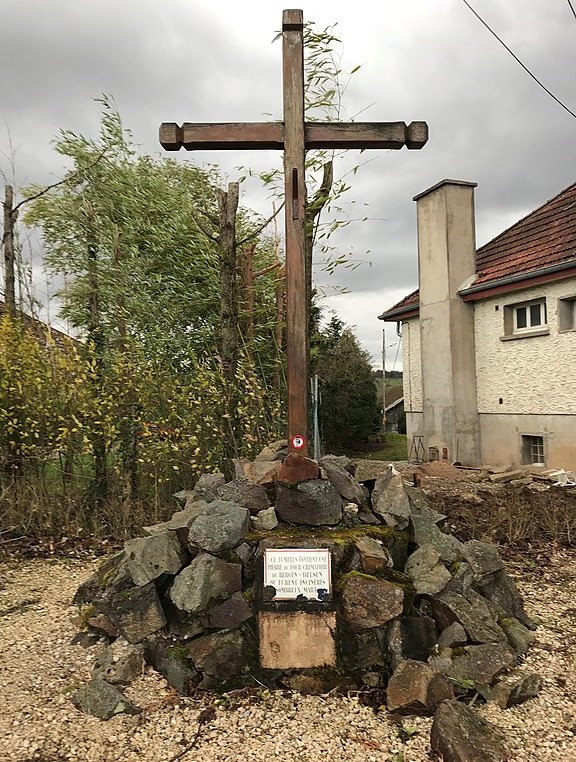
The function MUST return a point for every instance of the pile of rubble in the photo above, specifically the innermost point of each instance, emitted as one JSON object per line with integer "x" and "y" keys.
{"x": 421, "y": 616}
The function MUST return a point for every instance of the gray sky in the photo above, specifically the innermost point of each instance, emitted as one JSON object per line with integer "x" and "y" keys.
{"x": 195, "y": 60}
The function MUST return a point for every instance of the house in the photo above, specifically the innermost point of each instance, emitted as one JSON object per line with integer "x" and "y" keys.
{"x": 394, "y": 410}
{"x": 489, "y": 338}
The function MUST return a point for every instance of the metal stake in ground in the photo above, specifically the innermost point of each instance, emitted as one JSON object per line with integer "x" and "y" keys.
{"x": 294, "y": 136}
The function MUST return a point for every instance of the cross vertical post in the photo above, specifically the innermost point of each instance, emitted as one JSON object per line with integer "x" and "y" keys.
{"x": 295, "y": 220}
{"x": 294, "y": 136}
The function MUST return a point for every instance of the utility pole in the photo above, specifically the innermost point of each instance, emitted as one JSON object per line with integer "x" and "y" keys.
{"x": 384, "y": 378}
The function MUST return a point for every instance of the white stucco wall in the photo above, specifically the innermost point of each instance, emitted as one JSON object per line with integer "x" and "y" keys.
{"x": 412, "y": 366}
{"x": 532, "y": 375}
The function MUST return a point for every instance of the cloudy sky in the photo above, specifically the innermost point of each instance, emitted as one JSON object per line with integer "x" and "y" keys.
{"x": 195, "y": 60}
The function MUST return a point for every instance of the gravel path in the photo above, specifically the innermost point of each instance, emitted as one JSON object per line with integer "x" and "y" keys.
{"x": 39, "y": 668}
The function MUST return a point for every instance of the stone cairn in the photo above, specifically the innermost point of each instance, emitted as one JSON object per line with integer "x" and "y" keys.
{"x": 419, "y": 615}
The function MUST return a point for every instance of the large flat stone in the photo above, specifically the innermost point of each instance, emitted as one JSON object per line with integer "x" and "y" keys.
{"x": 369, "y": 602}
{"x": 315, "y": 502}
{"x": 207, "y": 578}
{"x": 297, "y": 639}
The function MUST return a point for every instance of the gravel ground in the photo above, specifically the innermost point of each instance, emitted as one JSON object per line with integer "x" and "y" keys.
{"x": 39, "y": 668}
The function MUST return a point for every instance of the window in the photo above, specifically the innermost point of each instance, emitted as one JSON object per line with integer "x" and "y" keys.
{"x": 533, "y": 450}
{"x": 525, "y": 319}
{"x": 567, "y": 314}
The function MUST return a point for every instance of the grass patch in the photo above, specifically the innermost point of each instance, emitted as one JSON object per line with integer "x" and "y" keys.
{"x": 393, "y": 447}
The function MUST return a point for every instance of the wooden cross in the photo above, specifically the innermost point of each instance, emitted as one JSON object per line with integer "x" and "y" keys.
{"x": 294, "y": 136}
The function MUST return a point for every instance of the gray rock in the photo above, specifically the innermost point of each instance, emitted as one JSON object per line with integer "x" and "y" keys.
{"x": 102, "y": 700}
{"x": 460, "y": 735}
{"x": 390, "y": 501}
{"x": 366, "y": 516}
{"x": 371, "y": 679}
{"x": 427, "y": 533}
{"x": 315, "y": 502}
{"x": 182, "y": 496}
{"x": 185, "y": 518}
{"x": 367, "y": 653}
{"x": 483, "y": 558}
{"x": 220, "y": 655}
{"x": 205, "y": 579}
{"x": 347, "y": 487}
{"x": 514, "y": 690}
{"x": 410, "y": 637}
{"x": 415, "y": 688}
{"x": 86, "y": 639}
{"x": 462, "y": 579}
{"x": 120, "y": 663}
{"x": 206, "y": 488}
{"x": 475, "y": 665}
{"x": 135, "y": 611}
{"x": 262, "y": 472}
{"x": 245, "y": 553}
{"x": 147, "y": 558}
{"x": 427, "y": 573}
{"x": 265, "y": 521}
{"x": 342, "y": 461}
{"x": 171, "y": 660}
{"x": 228, "y": 615}
{"x": 452, "y": 636}
{"x": 519, "y": 637}
{"x": 274, "y": 451}
{"x": 110, "y": 572}
{"x": 369, "y": 602}
{"x": 251, "y": 496}
{"x": 222, "y": 528}
{"x": 502, "y": 591}
{"x": 372, "y": 556}
{"x": 419, "y": 505}
{"x": 472, "y": 613}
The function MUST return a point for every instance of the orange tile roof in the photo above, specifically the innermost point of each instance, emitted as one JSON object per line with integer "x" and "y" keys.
{"x": 545, "y": 238}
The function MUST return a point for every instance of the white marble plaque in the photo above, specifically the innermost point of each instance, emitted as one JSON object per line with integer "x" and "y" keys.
{"x": 295, "y": 572}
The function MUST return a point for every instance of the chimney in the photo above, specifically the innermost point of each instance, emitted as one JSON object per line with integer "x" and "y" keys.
{"x": 446, "y": 258}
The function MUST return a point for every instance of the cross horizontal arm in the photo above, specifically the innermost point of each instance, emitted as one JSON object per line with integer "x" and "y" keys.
{"x": 270, "y": 135}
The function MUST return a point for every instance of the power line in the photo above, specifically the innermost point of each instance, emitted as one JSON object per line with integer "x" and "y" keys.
{"x": 571, "y": 8}
{"x": 515, "y": 57}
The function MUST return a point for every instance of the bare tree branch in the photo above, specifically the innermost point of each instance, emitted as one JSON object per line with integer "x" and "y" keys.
{"x": 204, "y": 228}
{"x": 55, "y": 185}
{"x": 261, "y": 228}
